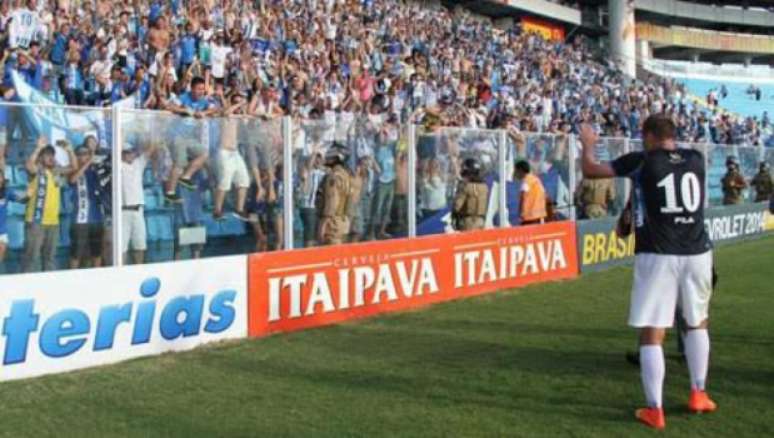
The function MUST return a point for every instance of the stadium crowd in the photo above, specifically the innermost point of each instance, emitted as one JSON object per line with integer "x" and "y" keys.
{"x": 294, "y": 57}
{"x": 350, "y": 71}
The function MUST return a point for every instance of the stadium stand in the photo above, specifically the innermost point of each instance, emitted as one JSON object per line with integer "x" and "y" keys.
{"x": 345, "y": 62}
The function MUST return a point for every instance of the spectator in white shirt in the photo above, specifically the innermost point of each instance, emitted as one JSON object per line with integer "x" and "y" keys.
{"x": 134, "y": 237}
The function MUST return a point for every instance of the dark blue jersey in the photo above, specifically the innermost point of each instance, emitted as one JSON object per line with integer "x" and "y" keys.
{"x": 668, "y": 200}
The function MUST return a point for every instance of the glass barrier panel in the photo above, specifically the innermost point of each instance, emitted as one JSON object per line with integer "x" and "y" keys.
{"x": 191, "y": 186}
{"x": 727, "y": 186}
{"x": 55, "y": 190}
{"x": 365, "y": 196}
{"x": 457, "y": 180}
{"x": 749, "y": 158}
{"x": 598, "y": 198}
{"x": 260, "y": 146}
{"x": 762, "y": 189}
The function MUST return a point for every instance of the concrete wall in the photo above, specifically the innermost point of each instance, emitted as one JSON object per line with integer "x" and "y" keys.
{"x": 546, "y": 9}
{"x": 750, "y": 17}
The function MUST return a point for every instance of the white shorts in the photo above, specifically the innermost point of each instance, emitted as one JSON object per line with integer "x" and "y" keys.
{"x": 662, "y": 282}
{"x": 233, "y": 170}
{"x": 134, "y": 230}
{"x": 4, "y": 239}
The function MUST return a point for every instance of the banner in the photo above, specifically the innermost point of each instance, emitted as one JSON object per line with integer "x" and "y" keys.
{"x": 734, "y": 222}
{"x": 57, "y": 122}
{"x": 600, "y": 248}
{"x": 548, "y": 31}
{"x": 768, "y": 222}
{"x": 309, "y": 288}
{"x": 62, "y": 321}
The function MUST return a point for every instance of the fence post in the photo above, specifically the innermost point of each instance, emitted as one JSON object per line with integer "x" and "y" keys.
{"x": 287, "y": 181}
{"x": 706, "y": 175}
{"x": 573, "y": 157}
{"x": 412, "y": 180}
{"x": 502, "y": 146}
{"x": 117, "y": 183}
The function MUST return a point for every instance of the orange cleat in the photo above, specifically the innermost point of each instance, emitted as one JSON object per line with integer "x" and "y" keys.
{"x": 652, "y": 417}
{"x": 700, "y": 402}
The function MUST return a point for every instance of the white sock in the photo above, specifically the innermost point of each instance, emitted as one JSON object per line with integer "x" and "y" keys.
{"x": 652, "y": 370}
{"x": 697, "y": 348}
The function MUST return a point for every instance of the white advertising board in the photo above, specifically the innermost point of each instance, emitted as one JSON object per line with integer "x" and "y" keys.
{"x": 62, "y": 321}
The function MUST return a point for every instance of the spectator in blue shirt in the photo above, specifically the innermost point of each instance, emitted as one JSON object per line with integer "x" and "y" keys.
{"x": 188, "y": 49}
{"x": 74, "y": 84}
{"x": 86, "y": 230}
{"x": 5, "y": 198}
{"x": 188, "y": 151}
{"x": 119, "y": 84}
{"x": 58, "y": 54}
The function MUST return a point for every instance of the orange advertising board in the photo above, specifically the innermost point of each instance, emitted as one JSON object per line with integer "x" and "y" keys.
{"x": 548, "y": 31}
{"x": 313, "y": 287}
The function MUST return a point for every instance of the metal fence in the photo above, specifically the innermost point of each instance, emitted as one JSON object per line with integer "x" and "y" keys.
{"x": 191, "y": 188}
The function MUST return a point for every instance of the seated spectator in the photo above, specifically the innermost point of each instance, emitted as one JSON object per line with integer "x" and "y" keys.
{"x": 43, "y": 206}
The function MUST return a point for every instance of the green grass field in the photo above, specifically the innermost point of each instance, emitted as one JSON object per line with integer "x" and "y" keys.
{"x": 542, "y": 361}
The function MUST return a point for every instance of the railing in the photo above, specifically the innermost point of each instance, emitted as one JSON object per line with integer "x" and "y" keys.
{"x": 191, "y": 188}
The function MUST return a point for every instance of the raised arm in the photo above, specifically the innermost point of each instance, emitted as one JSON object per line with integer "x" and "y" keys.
{"x": 78, "y": 171}
{"x": 32, "y": 162}
{"x": 591, "y": 168}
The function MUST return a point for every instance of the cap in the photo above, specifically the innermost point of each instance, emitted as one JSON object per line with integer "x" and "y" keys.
{"x": 128, "y": 146}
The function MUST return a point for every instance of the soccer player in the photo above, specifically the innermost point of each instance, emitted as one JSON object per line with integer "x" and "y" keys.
{"x": 673, "y": 261}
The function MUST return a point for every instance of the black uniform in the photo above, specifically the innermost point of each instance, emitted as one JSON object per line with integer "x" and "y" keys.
{"x": 669, "y": 194}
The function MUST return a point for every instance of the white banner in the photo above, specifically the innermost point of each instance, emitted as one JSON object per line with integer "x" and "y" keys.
{"x": 62, "y": 321}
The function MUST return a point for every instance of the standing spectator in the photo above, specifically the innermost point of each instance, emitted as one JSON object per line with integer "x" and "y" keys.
{"x": 5, "y": 197}
{"x": 23, "y": 25}
{"x": 43, "y": 207}
{"x": 133, "y": 163}
{"x": 188, "y": 49}
{"x": 385, "y": 190}
{"x": 311, "y": 176}
{"x": 400, "y": 203}
{"x": 87, "y": 229}
{"x": 433, "y": 189}
{"x": 532, "y": 201}
{"x": 363, "y": 194}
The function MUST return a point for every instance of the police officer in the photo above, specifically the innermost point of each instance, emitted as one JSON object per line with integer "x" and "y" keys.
{"x": 763, "y": 183}
{"x": 336, "y": 197}
{"x": 733, "y": 183}
{"x": 470, "y": 201}
{"x": 594, "y": 196}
